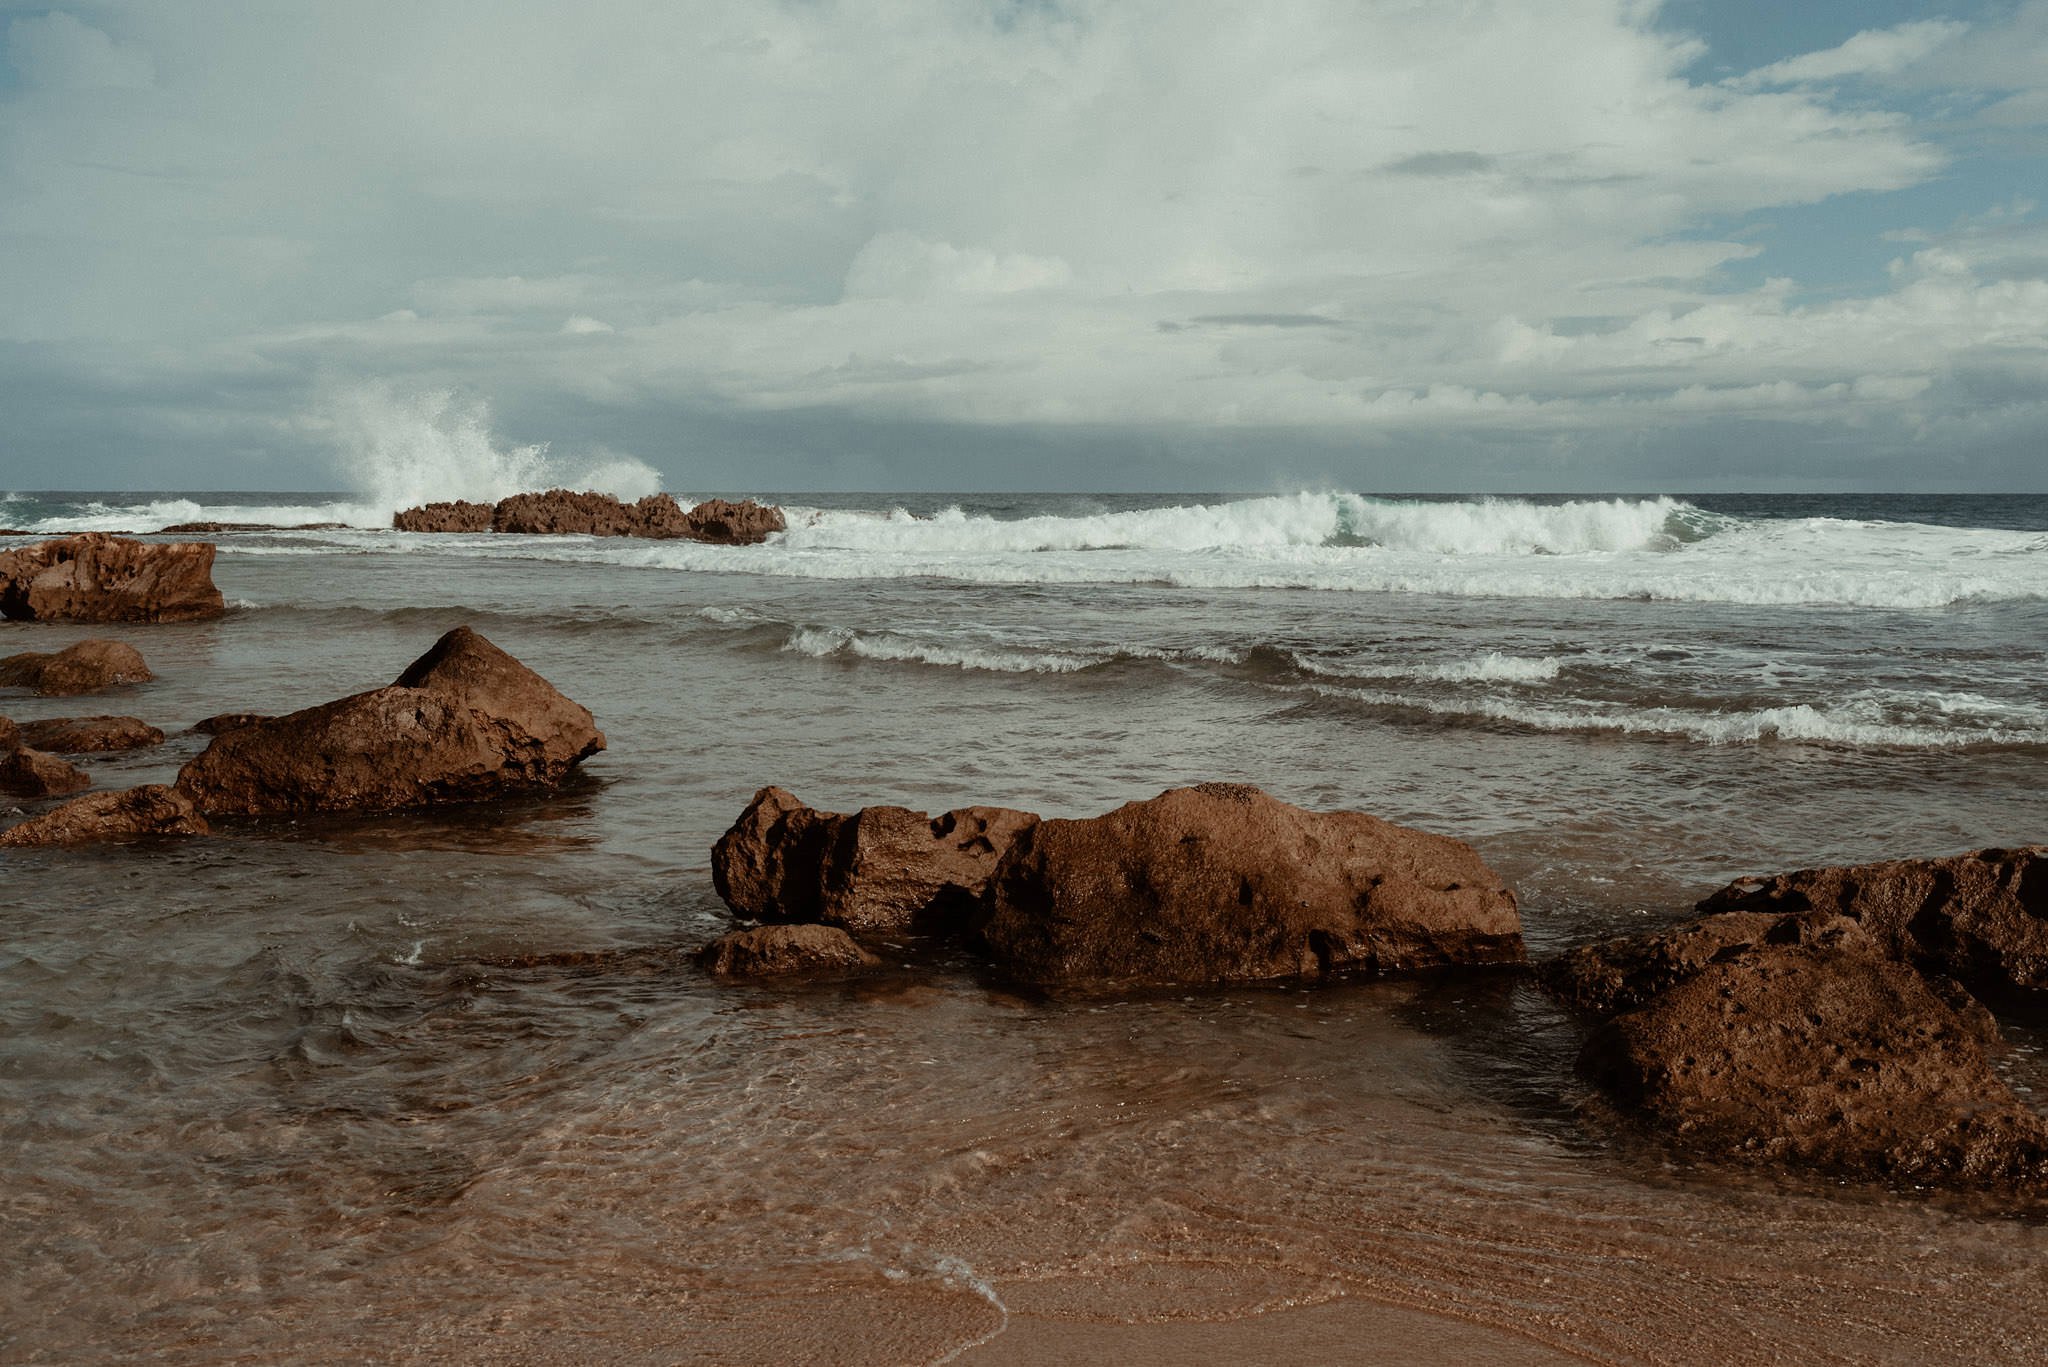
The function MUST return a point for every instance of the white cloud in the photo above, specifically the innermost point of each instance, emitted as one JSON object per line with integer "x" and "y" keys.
{"x": 1873, "y": 52}
{"x": 1324, "y": 215}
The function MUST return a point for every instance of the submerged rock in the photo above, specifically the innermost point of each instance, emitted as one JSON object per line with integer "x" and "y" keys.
{"x": 227, "y": 721}
{"x": 90, "y": 735}
{"x": 779, "y": 951}
{"x": 878, "y": 869}
{"x": 563, "y": 512}
{"x": 1981, "y": 917}
{"x": 31, "y": 773}
{"x": 1801, "y": 1040}
{"x": 1223, "y": 883}
{"x": 99, "y": 577}
{"x": 463, "y": 723}
{"x": 85, "y": 667}
{"x": 149, "y": 810}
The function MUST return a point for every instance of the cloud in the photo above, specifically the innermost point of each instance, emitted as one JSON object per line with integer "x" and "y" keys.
{"x": 1340, "y": 223}
{"x": 1873, "y": 52}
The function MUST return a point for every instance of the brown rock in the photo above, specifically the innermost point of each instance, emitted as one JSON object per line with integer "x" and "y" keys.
{"x": 732, "y": 524}
{"x": 99, "y": 577}
{"x": 464, "y": 722}
{"x": 31, "y": 773}
{"x": 778, "y": 951}
{"x": 216, "y": 528}
{"x": 1223, "y": 883}
{"x": 227, "y": 721}
{"x": 90, "y": 735}
{"x": 1818, "y": 1049}
{"x": 879, "y": 869}
{"x": 1981, "y": 917}
{"x": 558, "y": 512}
{"x": 150, "y": 810}
{"x": 457, "y": 516}
{"x": 84, "y": 667}
{"x": 10, "y": 736}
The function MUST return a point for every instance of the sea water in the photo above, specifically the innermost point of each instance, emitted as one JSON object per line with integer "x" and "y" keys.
{"x": 420, "y": 1087}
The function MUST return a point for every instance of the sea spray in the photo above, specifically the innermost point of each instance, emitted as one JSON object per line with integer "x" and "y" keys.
{"x": 400, "y": 448}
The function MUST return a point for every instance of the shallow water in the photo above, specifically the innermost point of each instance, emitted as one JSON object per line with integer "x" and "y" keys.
{"x": 408, "y": 1088}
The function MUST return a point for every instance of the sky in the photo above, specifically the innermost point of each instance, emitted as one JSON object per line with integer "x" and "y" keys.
{"x": 1387, "y": 245}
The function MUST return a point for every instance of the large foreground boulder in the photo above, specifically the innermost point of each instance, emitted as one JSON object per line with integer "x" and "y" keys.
{"x": 98, "y": 577}
{"x": 1223, "y": 883}
{"x": 90, "y": 735}
{"x": 782, "y": 951}
{"x": 33, "y": 774}
{"x": 881, "y": 869}
{"x": 1801, "y": 1040}
{"x": 1981, "y": 917}
{"x": 464, "y": 722}
{"x": 84, "y": 667}
{"x": 150, "y": 810}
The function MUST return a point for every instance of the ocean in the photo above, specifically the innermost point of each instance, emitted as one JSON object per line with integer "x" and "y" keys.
{"x": 422, "y": 1087}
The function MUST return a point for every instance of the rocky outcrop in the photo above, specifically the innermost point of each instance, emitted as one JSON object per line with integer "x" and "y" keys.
{"x": 782, "y": 951}
{"x": 463, "y": 723}
{"x": 1223, "y": 883}
{"x": 1981, "y": 917}
{"x": 744, "y": 523}
{"x": 84, "y": 667}
{"x": 562, "y": 512}
{"x": 1799, "y": 1039}
{"x": 216, "y": 528}
{"x": 10, "y": 736}
{"x": 90, "y": 735}
{"x": 33, "y": 774}
{"x": 881, "y": 869}
{"x": 150, "y": 810}
{"x": 98, "y": 577}
{"x": 459, "y": 515}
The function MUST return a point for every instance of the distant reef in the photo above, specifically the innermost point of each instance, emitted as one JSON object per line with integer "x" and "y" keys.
{"x": 560, "y": 512}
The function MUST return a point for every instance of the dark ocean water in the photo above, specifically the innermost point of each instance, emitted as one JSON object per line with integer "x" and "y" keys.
{"x": 414, "y": 1088}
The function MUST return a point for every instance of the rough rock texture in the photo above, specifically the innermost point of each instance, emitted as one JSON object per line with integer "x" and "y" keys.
{"x": 1981, "y": 917}
{"x": 1224, "y": 883}
{"x": 90, "y": 735}
{"x": 1811, "y": 1045}
{"x": 10, "y": 736}
{"x": 31, "y": 773}
{"x": 878, "y": 869}
{"x": 464, "y": 722}
{"x": 85, "y": 667}
{"x": 98, "y": 577}
{"x": 563, "y": 512}
{"x": 776, "y": 951}
{"x": 227, "y": 721}
{"x": 150, "y": 810}
{"x": 457, "y": 516}
{"x": 216, "y": 528}
{"x": 744, "y": 523}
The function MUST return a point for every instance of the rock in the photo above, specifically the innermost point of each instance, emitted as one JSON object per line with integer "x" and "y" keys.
{"x": 1811, "y": 1045}
{"x": 1981, "y": 917}
{"x": 1224, "y": 883}
{"x": 89, "y": 735}
{"x": 463, "y": 723}
{"x": 732, "y": 524}
{"x": 150, "y": 810}
{"x": 778, "y": 951}
{"x": 31, "y": 773}
{"x": 227, "y": 721}
{"x": 456, "y": 516}
{"x": 216, "y": 528}
{"x": 84, "y": 667}
{"x": 879, "y": 869}
{"x": 99, "y": 577}
{"x": 562, "y": 512}
{"x": 10, "y": 736}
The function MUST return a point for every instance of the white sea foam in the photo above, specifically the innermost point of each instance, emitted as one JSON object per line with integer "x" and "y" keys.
{"x": 1879, "y": 718}
{"x": 1492, "y": 667}
{"x": 827, "y": 642}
